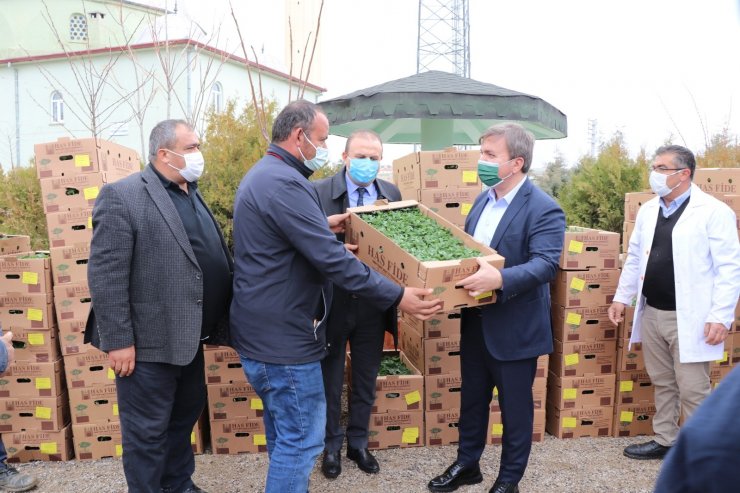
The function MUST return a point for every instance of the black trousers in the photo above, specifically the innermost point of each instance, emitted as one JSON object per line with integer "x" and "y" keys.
{"x": 513, "y": 379}
{"x": 364, "y": 328}
{"x": 158, "y": 406}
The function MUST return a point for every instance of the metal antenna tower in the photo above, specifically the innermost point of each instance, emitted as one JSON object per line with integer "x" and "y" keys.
{"x": 444, "y": 41}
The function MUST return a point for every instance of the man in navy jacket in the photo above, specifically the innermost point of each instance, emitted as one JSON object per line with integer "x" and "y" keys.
{"x": 287, "y": 257}
{"x": 501, "y": 342}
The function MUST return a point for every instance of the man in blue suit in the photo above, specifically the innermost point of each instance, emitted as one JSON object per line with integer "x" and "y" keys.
{"x": 501, "y": 342}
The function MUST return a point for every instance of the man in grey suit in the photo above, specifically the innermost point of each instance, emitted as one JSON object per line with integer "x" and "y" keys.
{"x": 160, "y": 278}
{"x": 351, "y": 318}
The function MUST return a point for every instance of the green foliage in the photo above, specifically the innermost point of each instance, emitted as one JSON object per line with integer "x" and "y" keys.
{"x": 723, "y": 152}
{"x": 21, "y": 211}
{"x": 419, "y": 235}
{"x": 330, "y": 169}
{"x": 594, "y": 198}
{"x": 555, "y": 177}
{"x": 232, "y": 144}
{"x": 391, "y": 364}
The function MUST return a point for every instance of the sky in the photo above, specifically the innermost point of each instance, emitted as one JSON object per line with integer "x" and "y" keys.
{"x": 651, "y": 69}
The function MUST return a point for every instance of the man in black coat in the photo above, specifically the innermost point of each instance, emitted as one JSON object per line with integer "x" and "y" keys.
{"x": 350, "y": 318}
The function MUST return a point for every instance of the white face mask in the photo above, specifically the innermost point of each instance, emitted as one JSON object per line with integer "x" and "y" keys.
{"x": 659, "y": 183}
{"x": 194, "y": 165}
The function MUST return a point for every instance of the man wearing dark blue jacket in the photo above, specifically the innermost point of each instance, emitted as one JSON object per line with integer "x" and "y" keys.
{"x": 287, "y": 257}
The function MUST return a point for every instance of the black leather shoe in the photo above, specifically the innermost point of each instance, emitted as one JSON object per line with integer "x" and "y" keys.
{"x": 499, "y": 487}
{"x": 648, "y": 450}
{"x": 331, "y": 465}
{"x": 364, "y": 459}
{"x": 455, "y": 476}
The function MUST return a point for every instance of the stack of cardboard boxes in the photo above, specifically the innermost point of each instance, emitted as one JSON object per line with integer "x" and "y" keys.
{"x": 580, "y": 394}
{"x": 34, "y": 410}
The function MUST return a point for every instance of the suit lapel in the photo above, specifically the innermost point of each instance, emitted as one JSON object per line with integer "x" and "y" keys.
{"x": 169, "y": 213}
{"x": 474, "y": 215}
{"x": 512, "y": 210}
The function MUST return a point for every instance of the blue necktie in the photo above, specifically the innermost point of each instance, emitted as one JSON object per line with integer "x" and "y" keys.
{"x": 360, "y": 192}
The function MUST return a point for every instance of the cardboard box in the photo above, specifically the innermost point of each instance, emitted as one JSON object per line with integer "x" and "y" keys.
{"x": 385, "y": 256}
{"x": 624, "y": 329}
{"x": 69, "y": 227}
{"x": 582, "y": 324}
{"x": 439, "y": 325}
{"x": 452, "y": 203}
{"x": 198, "y": 435}
{"x": 634, "y": 387}
{"x": 496, "y": 427}
{"x": 32, "y": 445}
{"x": 25, "y": 275}
{"x": 97, "y": 404}
{"x": 238, "y": 436}
{"x": 89, "y": 369}
{"x": 12, "y": 244}
{"x": 627, "y": 229}
{"x": 69, "y": 264}
{"x": 98, "y": 440}
{"x": 436, "y": 169}
{"x": 72, "y": 336}
{"x": 630, "y": 357}
{"x": 543, "y": 365}
{"x": 35, "y": 346}
{"x": 67, "y": 157}
{"x": 233, "y": 401}
{"x": 584, "y": 288}
{"x": 735, "y": 342}
{"x": 442, "y": 392}
{"x": 396, "y": 429}
{"x": 33, "y": 413}
{"x": 718, "y": 181}
{"x": 431, "y": 356}
{"x": 633, "y": 420}
{"x": 578, "y": 359}
{"x": 539, "y": 395}
{"x": 396, "y": 392}
{"x": 586, "y": 248}
{"x": 71, "y": 193}
{"x": 223, "y": 366}
{"x": 25, "y": 379}
{"x": 27, "y": 311}
{"x": 717, "y": 374}
{"x": 576, "y": 392}
{"x": 577, "y": 423}
{"x": 632, "y": 203}
{"x": 441, "y": 427}
{"x": 72, "y": 301}
{"x": 727, "y": 354}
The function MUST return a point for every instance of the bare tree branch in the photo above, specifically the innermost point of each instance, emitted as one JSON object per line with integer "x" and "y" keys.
{"x": 313, "y": 50}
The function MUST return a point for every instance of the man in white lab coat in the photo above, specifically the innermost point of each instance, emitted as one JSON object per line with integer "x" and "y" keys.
{"x": 683, "y": 273}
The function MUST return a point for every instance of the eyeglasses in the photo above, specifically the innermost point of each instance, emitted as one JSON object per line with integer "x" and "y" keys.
{"x": 663, "y": 169}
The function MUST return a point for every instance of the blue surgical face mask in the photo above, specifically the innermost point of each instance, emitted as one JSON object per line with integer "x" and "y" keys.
{"x": 363, "y": 171}
{"x": 319, "y": 160}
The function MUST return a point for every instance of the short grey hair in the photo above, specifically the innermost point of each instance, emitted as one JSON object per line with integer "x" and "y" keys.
{"x": 164, "y": 136}
{"x": 682, "y": 157}
{"x": 366, "y": 132}
{"x": 519, "y": 141}
{"x": 298, "y": 114}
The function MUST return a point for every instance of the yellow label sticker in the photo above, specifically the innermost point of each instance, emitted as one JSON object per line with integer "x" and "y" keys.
{"x": 48, "y": 447}
{"x": 487, "y": 294}
{"x": 89, "y": 222}
{"x": 115, "y": 409}
{"x": 577, "y": 283}
{"x": 259, "y": 439}
{"x": 470, "y": 176}
{"x": 35, "y": 315}
{"x": 119, "y": 450}
{"x": 43, "y": 412}
{"x": 569, "y": 422}
{"x": 91, "y": 193}
{"x": 626, "y": 416}
{"x": 571, "y": 359}
{"x": 495, "y": 391}
{"x": 573, "y": 318}
{"x": 43, "y": 383}
{"x": 30, "y": 278}
{"x": 465, "y": 208}
{"x": 36, "y": 339}
{"x": 497, "y": 429}
{"x": 82, "y": 160}
{"x": 192, "y": 438}
{"x": 575, "y": 246}
{"x": 570, "y": 393}
{"x": 256, "y": 404}
{"x": 412, "y": 397}
{"x": 111, "y": 374}
{"x": 626, "y": 385}
{"x": 410, "y": 435}
{"x": 724, "y": 358}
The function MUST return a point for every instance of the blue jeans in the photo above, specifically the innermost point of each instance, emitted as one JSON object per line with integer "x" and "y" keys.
{"x": 294, "y": 417}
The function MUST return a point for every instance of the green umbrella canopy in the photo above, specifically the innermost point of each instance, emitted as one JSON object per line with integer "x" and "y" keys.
{"x": 439, "y": 109}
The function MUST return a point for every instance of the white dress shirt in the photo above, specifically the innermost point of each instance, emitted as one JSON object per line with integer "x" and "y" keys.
{"x": 492, "y": 213}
